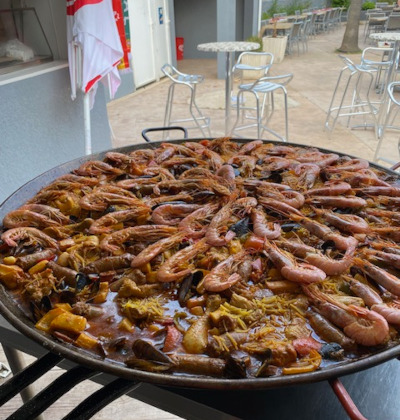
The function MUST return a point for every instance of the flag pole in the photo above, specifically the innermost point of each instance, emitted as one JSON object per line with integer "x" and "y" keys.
{"x": 86, "y": 118}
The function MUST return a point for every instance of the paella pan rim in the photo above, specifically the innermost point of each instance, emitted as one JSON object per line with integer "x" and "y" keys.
{"x": 14, "y": 314}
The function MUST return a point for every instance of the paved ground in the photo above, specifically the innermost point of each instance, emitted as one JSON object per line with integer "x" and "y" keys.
{"x": 310, "y": 91}
{"x": 315, "y": 75}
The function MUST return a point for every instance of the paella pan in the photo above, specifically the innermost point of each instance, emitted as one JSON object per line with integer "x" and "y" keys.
{"x": 241, "y": 312}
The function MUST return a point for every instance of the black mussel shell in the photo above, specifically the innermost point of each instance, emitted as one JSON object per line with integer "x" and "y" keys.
{"x": 117, "y": 343}
{"x": 333, "y": 351}
{"x": 235, "y": 368}
{"x": 145, "y": 350}
{"x": 46, "y": 304}
{"x": 276, "y": 177}
{"x": 81, "y": 281}
{"x": 184, "y": 244}
{"x": 147, "y": 365}
{"x": 236, "y": 171}
{"x": 185, "y": 286}
{"x": 328, "y": 245}
{"x": 291, "y": 226}
{"x": 184, "y": 289}
{"x": 241, "y": 227}
{"x": 67, "y": 296}
{"x": 110, "y": 209}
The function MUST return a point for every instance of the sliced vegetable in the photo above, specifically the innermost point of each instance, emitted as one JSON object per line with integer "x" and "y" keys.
{"x": 68, "y": 322}
{"x": 10, "y": 274}
{"x": 254, "y": 242}
{"x": 86, "y": 341}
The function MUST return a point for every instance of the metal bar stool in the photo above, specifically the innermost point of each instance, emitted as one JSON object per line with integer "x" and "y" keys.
{"x": 191, "y": 81}
{"x": 266, "y": 86}
{"x": 361, "y": 78}
{"x": 393, "y": 109}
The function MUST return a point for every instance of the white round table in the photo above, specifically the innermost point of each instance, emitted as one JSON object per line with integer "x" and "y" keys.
{"x": 229, "y": 48}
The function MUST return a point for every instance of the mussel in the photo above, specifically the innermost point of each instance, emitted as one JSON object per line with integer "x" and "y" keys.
{"x": 241, "y": 227}
{"x": 184, "y": 289}
{"x": 145, "y": 350}
{"x": 332, "y": 351}
{"x": 290, "y": 226}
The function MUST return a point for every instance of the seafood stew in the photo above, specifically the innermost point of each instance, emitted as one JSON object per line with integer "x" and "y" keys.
{"x": 213, "y": 258}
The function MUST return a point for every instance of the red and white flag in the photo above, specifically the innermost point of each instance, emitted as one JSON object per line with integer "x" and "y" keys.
{"x": 91, "y": 26}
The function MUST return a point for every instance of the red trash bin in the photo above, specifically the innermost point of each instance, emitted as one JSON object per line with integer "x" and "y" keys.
{"x": 179, "y": 48}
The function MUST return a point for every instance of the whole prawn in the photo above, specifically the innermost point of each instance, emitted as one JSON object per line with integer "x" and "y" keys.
{"x": 290, "y": 268}
{"x": 328, "y": 265}
{"x": 99, "y": 201}
{"x": 171, "y": 214}
{"x": 331, "y": 188}
{"x": 105, "y": 223}
{"x": 225, "y": 275}
{"x": 218, "y": 223}
{"x": 347, "y": 222}
{"x": 261, "y": 226}
{"x": 157, "y": 248}
{"x": 365, "y": 327}
{"x": 12, "y": 236}
{"x": 178, "y": 266}
{"x": 97, "y": 168}
{"x": 372, "y": 299}
{"x": 113, "y": 241}
{"x": 192, "y": 224}
{"x": 381, "y": 276}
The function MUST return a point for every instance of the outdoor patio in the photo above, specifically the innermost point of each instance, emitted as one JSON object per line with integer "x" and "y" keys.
{"x": 309, "y": 94}
{"x": 315, "y": 75}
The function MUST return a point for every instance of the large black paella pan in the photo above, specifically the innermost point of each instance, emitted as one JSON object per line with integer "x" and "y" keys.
{"x": 18, "y": 317}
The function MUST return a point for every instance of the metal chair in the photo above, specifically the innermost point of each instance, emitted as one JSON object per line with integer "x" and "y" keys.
{"x": 321, "y": 22}
{"x": 253, "y": 65}
{"x": 360, "y": 79}
{"x": 378, "y": 60}
{"x": 305, "y": 34}
{"x": 392, "y": 110}
{"x": 294, "y": 37}
{"x": 265, "y": 86}
{"x": 392, "y": 23}
{"x": 190, "y": 81}
{"x": 375, "y": 23}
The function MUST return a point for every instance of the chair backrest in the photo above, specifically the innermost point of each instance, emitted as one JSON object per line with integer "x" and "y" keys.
{"x": 295, "y": 30}
{"x": 177, "y": 77}
{"x": 373, "y": 56}
{"x": 368, "y": 12}
{"x": 306, "y": 29}
{"x": 381, "y": 3}
{"x": 393, "y": 23}
{"x": 253, "y": 65}
{"x": 170, "y": 71}
{"x": 376, "y": 15}
{"x": 391, "y": 87}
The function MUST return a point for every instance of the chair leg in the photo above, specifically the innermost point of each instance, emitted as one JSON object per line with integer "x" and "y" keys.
{"x": 201, "y": 116}
{"x": 168, "y": 108}
{"x": 238, "y": 101}
{"x": 16, "y": 364}
{"x": 286, "y": 114}
{"x": 259, "y": 116}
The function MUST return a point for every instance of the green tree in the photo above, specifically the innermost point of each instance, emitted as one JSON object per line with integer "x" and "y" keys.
{"x": 350, "y": 38}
